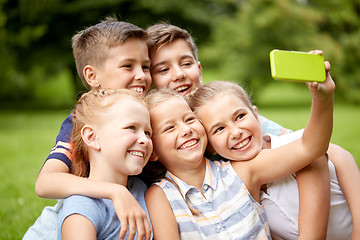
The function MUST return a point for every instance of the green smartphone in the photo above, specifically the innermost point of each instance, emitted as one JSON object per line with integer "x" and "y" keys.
{"x": 297, "y": 66}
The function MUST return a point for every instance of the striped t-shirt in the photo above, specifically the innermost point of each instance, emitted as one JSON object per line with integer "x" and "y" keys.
{"x": 226, "y": 212}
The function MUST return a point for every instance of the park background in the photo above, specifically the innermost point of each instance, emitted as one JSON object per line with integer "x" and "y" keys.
{"x": 39, "y": 84}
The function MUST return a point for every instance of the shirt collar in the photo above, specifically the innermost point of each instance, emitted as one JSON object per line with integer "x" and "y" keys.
{"x": 210, "y": 180}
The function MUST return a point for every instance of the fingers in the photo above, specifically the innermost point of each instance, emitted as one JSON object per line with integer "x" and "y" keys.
{"x": 132, "y": 228}
{"x": 147, "y": 229}
{"x": 319, "y": 52}
{"x": 135, "y": 223}
{"x": 123, "y": 228}
{"x": 327, "y": 66}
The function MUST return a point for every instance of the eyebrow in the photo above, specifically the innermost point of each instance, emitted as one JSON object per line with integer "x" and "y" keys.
{"x": 147, "y": 60}
{"x": 238, "y": 111}
{"x": 181, "y": 58}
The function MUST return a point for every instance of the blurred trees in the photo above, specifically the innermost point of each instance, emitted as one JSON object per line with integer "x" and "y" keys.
{"x": 240, "y": 42}
{"x": 234, "y": 36}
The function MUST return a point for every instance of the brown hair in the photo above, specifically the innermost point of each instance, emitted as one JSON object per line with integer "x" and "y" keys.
{"x": 91, "y": 45}
{"x": 163, "y": 33}
{"x": 208, "y": 91}
{"x": 92, "y": 108}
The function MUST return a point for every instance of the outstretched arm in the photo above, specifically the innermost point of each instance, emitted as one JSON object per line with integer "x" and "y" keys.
{"x": 161, "y": 215}
{"x": 317, "y": 133}
{"x": 314, "y": 199}
{"x": 348, "y": 175}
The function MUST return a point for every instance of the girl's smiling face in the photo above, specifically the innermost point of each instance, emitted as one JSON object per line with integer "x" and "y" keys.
{"x": 178, "y": 136}
{"x": 233, "y": 129}
{"x": 125, "y": 137}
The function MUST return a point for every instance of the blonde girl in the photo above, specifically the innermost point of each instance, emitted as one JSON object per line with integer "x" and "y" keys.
{"x": 111, "y": 140}
{"x": 201, "y": 199}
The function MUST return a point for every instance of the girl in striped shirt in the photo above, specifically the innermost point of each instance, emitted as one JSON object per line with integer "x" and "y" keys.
{"x": 202, "y": 199}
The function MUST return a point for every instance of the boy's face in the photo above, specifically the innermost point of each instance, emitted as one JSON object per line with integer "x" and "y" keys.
{"x": 232, "y": 129}
{"x": 128, "y": 67}
{"x": 125, "y": 139}
{"x": 178, "y": 136}
{"x": 174, "y": 65}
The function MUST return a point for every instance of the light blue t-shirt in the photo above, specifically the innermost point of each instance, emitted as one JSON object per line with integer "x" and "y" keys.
{"x": 101, "y": 211}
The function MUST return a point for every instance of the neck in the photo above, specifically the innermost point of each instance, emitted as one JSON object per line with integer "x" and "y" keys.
{"x": 192, "y": 176}
{"x": 103, "y": 172}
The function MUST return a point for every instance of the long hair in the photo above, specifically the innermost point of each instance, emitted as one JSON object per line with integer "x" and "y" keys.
{"x": 92, "y": 109}
{"x": 155, "y": 171}
{"x": 210, "y": 90}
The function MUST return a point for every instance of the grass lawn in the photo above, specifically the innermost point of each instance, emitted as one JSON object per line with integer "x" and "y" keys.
{"x": 26, "y": 138}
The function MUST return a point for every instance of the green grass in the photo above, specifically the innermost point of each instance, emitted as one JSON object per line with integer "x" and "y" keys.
{"x": 289, "y": 105}
{"x": 26, "y": 138}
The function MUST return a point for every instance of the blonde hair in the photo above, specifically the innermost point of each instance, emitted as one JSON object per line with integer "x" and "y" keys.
{"x": 91, "y": 45}
{"x": 208, "y": 92}
{"x": 157, "y": 96}
{"x": 91, "y": 109}
{"x": 163, "y": 33}
{"x": 155, "y": 171}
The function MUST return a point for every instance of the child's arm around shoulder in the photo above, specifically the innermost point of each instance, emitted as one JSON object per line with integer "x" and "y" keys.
{"x": 56, "y": 182}
{"x": 161, "y": 215}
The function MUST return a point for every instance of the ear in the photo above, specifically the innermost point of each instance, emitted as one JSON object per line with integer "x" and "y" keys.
{"x": 89, "y": 137}
{"x": 89, "y": 72}
{"x": 256, "y": 112}
{"x": 153, "y": 157}
{"x": 200, "y": 73}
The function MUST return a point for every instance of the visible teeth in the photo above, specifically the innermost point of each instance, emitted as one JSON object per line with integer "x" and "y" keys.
{"x": 137, "y": 153}
{"x": 137, "y": 89}
{"x": 242, "y": 144}
{"x": 181, "y": 88}
{"x": 188, "y": 144}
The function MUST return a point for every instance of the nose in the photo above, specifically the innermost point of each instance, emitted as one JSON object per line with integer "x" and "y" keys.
{"x": 185, "y": 130}
{"x": 139, "y": 73}
{"x": 178, "y": 73}
{"x": 235, "y": 131}
{"x": 143, "y": 139}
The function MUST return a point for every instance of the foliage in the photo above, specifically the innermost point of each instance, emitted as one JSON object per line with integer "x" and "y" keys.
{"x": 234, "y": 36}
{"x": 35, "y": 35}
{"x": 244, "y": 39}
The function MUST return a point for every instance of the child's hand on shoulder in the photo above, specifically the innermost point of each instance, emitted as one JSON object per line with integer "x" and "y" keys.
{"x": 322, "y": 90}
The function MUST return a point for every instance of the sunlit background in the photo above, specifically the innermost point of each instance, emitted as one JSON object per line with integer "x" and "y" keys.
{"x": 234, "y": 37}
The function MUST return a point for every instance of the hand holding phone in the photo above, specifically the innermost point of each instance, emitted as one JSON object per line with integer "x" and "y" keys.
{"x": 297, "y": 66}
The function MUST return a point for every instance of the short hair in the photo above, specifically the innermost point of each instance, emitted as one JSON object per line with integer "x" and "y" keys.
{"x": 91, "y": 45}
{"x": 92, "y": 108}
{"x": 163, "y": 33}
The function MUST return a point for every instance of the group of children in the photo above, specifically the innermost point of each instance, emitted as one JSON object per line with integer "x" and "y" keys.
{"x": 210, "y": 171}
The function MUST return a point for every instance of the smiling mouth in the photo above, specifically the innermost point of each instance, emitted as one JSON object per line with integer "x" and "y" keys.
{"x": 138, "y": 90}
{"x": 242, "y": 144}
{"x": 182, "y": 88}
{"x": 188, "y": 144}
{"x": 136, "y": 153}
